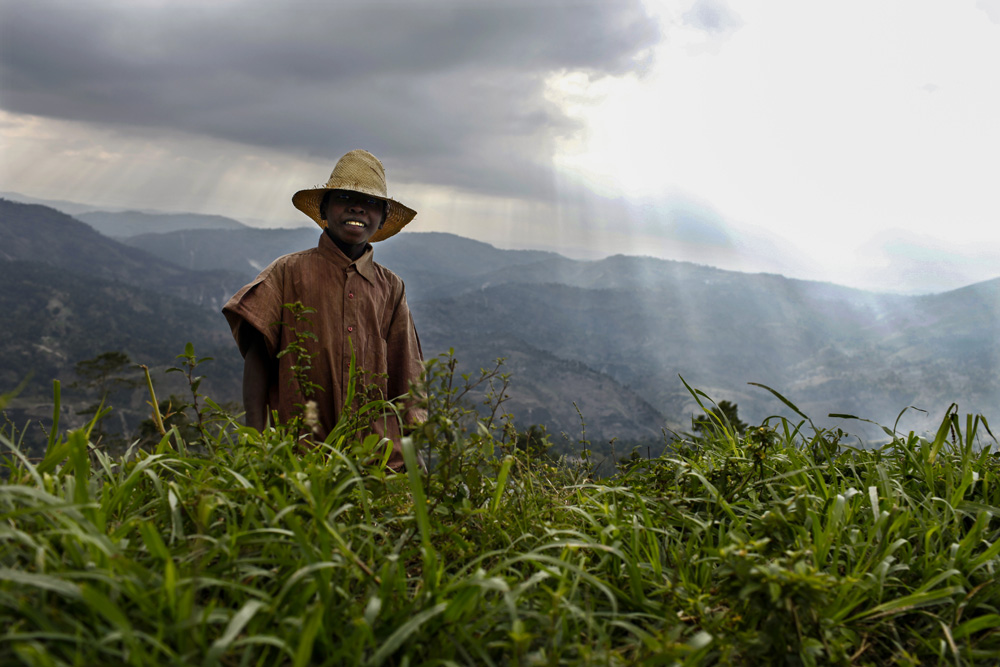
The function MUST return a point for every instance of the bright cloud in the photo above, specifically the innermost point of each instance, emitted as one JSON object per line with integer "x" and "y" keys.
{"x": 853, "y": 142}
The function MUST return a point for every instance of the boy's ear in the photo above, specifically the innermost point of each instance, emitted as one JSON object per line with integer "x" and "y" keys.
{"x": 322, "y": 205}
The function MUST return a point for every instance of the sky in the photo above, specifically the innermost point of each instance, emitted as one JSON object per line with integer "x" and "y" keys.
{"x": 853, "y": 142}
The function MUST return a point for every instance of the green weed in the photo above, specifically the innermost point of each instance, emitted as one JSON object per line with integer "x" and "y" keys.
{"x": 777, "y": 546}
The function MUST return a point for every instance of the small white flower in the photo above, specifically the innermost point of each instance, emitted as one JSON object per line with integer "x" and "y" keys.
{"x": 311, "y": 416}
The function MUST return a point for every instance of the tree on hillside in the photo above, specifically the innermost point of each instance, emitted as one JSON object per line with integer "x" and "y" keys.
{"x": 103, "y": 375}
{"x": 725, "y": 411}
{"x": 534, "y": 442}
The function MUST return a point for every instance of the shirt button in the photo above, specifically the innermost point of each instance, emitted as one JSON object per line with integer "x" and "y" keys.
{"x": 350, "y": 295}
{"x": 350, "y": 328}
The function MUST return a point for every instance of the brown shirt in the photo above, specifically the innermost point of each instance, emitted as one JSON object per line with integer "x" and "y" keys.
{"x": 359, "y": 305}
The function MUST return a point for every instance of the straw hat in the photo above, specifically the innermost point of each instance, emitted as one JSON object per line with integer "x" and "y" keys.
{"x": 359, "y": 171}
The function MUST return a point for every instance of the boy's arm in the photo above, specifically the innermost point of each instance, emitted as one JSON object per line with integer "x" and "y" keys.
{"x": 405, "y": 362}
{"x": 257, "y": 369}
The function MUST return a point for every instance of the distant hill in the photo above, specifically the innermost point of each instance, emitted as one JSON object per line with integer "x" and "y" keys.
{"x": 245, "y": 251}
{"x": 131, "y": 223}
{"x": 40, "y": 234}
{"x": 433, "y": 265}
{"x": 643, "y": 321}
{"x": 53, "y": 319}
{"x": 67, "y": 207}
{"x": 548, "y": 389}
{"x": 109, "y": 280}
{"x": 70, "y": 293}
{"x": 431, "y": 261}
{"x": 611, "y": 335}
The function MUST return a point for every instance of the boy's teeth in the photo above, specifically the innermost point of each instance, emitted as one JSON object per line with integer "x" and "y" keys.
{"x": 354, "y": 223}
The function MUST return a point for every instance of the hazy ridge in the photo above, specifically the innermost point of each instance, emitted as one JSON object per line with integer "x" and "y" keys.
{"x": 611, "y": 335}
{"x": 644, "y": 321}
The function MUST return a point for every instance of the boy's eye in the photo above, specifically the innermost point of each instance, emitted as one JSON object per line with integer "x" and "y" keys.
{"x": 343, "y": 196}
{"x": 372, "y": 202}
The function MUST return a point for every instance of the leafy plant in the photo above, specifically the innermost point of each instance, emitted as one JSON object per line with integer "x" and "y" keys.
{"x": 298, "y": 349}
{"x": 765, "y": 548}
{"x": 103, "y": 375}
{"x": 189, "y": 368}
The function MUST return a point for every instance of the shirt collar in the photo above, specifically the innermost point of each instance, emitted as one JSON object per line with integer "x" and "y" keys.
{"x": 365, "y": 265}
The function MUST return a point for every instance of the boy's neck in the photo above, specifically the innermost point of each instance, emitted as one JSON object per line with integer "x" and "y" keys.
{"x": 352, "y": 251}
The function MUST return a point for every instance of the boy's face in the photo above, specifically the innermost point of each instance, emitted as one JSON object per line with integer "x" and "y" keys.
{"x": 352, "y": 217}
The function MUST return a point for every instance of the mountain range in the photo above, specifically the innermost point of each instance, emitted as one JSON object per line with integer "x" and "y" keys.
{"x": 604, "y": 339}
{"x": 643, "y": 322}
{"x": 127, "y": 223}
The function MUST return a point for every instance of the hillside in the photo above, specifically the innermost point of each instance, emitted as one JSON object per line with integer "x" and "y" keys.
{"x": 544, "y": 388}
{"x": 644, "y": 321}
{"x": 823, "y": 359}
{"x": 53, "y": 319}
{"x": 433, "y": 264}
{"x": 545, "y": 383}
{"x": 130, "y": 223}
{"x": 610, "y": 335}
{"x": 36, "y": 233}
{"x": 244, "y": 251}
{"x": 93, "y": 294}
{"x": 67, "y": 207}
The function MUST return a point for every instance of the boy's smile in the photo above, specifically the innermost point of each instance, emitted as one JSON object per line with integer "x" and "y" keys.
{"x": 352, "y": 218}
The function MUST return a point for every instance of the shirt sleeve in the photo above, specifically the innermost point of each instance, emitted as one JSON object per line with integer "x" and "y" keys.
{"x": 405, "y": 358}
{"x": 259, "y": 305}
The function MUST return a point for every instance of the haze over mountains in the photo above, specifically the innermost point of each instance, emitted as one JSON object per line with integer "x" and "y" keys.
{"x": 126, "y": 223}
{"x": 610, "y": 335}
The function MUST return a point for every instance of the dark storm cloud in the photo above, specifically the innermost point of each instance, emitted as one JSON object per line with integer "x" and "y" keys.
{"x": 451, "y": 92}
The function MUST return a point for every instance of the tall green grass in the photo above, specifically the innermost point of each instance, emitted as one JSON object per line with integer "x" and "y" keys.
{"x": 783, "y": 546}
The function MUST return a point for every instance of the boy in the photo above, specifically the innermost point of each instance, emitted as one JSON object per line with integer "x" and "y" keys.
{"x": 360, "y": 306}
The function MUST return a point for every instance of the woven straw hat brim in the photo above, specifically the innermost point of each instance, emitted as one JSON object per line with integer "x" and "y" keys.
{"x": 308, "y": 201}
{"x": 358, "y": 171}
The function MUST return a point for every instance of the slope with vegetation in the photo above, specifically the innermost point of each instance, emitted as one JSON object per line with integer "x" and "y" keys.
{"x": 43, "y": 235}
{"x": 230, "y": 546}
{"x": 70, "y": 294}
{"x": 644, "y": 321}
{"x": 611, "y": 336}
{"x": 54, "y": 322}
{"x": 126, "y": 294}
